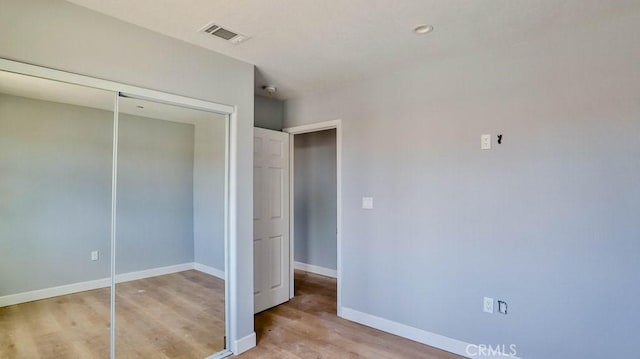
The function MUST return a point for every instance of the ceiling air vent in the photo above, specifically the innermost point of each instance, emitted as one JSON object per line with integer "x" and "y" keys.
{"x": 225, "y": 34}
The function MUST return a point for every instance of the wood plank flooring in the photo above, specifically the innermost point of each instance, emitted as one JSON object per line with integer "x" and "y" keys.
{"x": 175, "y": 316}
{"x": 307, "y": 327}
{"x": 178, "y": 315}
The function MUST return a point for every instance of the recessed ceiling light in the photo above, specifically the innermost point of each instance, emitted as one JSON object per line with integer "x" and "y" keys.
{"x": 423, "y": 29}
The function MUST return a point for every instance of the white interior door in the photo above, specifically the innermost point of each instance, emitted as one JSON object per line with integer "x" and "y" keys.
{"x": 270, "y": 218}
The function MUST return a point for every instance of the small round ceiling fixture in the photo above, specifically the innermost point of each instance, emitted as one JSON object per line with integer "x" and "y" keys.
{"x": 139, "y": 106}
{"x": 423, "y": 29}
{"x": 270, "y": 89}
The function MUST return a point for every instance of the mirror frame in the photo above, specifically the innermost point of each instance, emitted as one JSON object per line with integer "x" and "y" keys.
{"x": 230, "y": 195}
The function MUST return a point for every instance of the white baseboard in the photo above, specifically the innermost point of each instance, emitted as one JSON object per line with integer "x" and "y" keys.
{"x": 316, "y": 269}
{"x": 242, "y": 345}
{"x": 220, "y": 355}
{"x": 153, "y": 272}
{"x": 209, "y": 270}
{"x": 421, "y": 336}
{"x": 90, "y": 285}
{"x": 53, "y": 292}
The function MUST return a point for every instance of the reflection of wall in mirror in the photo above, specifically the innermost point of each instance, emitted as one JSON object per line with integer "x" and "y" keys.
{"x": 208, "y": 186}
{"x": 55, "y": 161}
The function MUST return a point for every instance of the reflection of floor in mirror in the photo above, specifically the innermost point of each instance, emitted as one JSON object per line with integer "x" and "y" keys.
{"x": 308, "y": 327}
{"x": 177, "y": 315}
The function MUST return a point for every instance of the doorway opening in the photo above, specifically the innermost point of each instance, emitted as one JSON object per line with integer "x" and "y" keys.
{"x": 315, "y": 208}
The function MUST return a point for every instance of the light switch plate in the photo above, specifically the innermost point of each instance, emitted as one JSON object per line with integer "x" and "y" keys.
{"x": 367, "y": 202}
{"x": 487, "y": 305}
{"x": 485, "y": 142}
{"x": 94, "y": 255}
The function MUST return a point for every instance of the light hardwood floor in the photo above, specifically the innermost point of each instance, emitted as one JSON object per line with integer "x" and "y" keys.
{"x": 174, "y": 316}
{"x": 307, "y": 327}
{"x": 178, "y": 315}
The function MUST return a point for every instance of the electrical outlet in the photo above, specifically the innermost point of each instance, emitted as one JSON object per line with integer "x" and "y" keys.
{"x": 95, "y": 255}
{"x": 367, "y": 202}
{"x": 487, "y": 306}
{"x": 502, "y": 307}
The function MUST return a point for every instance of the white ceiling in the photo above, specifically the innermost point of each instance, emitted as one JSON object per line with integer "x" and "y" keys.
{"x": 308, "y": 45}
{"x": 61, "y": 92}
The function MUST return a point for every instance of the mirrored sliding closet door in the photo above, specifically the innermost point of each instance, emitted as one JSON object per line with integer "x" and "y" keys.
{"x": 113, "y": 220}
{"x": 170, "y": 231}
{"x": 56, "y": 152}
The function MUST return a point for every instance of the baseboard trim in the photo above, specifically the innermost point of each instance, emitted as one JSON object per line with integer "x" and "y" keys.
{"x": 153, "y": 272}
{"x": 209, "y": 270}
{"x": 421, "y": 336}
{"x": 45, "y": 293}
{"x": 220, "y": 355}
{"x": 242, "y": 345}
{"x": 332, "y": 273}
{"x": 51, "y": 292}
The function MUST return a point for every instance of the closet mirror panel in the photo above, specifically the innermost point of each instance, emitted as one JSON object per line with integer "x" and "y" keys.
{"x": 56, "y": 154}
{"x": 170, "y": 231}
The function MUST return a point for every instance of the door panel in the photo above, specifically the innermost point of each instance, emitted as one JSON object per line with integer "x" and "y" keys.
{"x": 276, "y": 267}
{"x": 271, "y": 218}
{"x": 276, "y": 184}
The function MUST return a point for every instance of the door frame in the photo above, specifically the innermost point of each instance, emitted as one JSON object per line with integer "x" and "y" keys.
{"x": 298, "y": 130}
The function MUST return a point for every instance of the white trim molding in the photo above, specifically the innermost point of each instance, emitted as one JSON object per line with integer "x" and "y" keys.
{"x": 219, "y": 355}
{"x": 313, "y": 127}
{"x": 332, "y": 273}
{"x": 45, "y": 293}
{"x": 242, "y": 345}
{"x": 153, "y": 272}
{"x": 209, "y": 270}
{"x": 66, "y": 289}
{"x": 405, "y": 331}
{"x": 418, "y": 335}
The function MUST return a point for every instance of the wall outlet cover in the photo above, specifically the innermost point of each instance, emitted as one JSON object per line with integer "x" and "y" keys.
{"x": 487, "y": 305}
{"x": 367, "y": 202}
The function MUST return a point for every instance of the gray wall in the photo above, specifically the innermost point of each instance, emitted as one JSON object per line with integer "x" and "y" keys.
{"x": 155, "y": 220}
{"x": 82, "y": 41}
{"x": 208, "y": 195}
{"x": 315, "y": 198}
{"x": 547, "y": 221}
{"x": 269, "y": 113}
{"x": 55, "y": 185}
